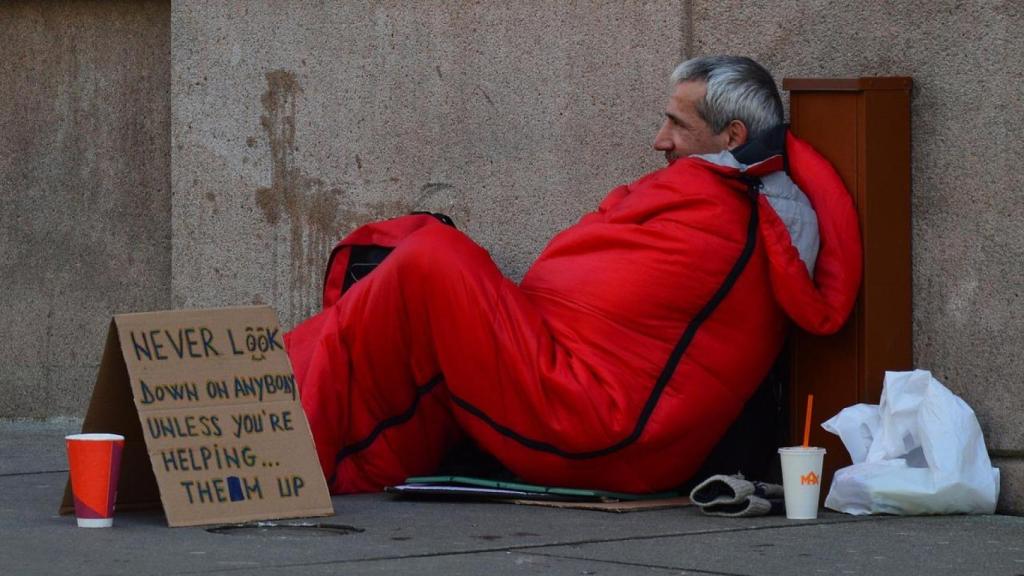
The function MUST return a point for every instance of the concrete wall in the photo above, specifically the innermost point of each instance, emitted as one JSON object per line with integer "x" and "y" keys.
{"x": 968, "y": 218}
{"x": 295, "y": 123}
{"x": 291, "y": 123}
{"x": 84, "y": 189}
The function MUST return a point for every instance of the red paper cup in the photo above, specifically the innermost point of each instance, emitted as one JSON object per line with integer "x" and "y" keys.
{"x": 95, "y": 461}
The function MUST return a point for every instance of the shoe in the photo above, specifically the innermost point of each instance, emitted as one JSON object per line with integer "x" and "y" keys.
{"x": 734, "y": 496}
{"x": 748, "y": 507}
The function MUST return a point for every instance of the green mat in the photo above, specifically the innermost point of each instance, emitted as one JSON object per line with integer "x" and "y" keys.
{"x": 470, "y": 487}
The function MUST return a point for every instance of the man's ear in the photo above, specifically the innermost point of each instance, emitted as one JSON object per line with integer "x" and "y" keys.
{"x": 736, "y": 133}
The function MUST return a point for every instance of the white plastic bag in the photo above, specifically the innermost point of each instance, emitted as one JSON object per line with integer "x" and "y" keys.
{"x": 920, "y": 451}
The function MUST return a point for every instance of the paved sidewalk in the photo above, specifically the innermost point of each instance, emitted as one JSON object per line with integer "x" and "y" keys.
{"x": 408, "y": 537}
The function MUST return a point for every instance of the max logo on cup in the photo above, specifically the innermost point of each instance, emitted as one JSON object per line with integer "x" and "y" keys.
{"x": 809, "y": 478}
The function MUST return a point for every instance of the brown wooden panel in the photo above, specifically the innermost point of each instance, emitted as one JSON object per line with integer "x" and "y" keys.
{"x": 826, "y": 367}
{"x": 829, "y": 122}
{"x": 862, "y": 125}
{"x": 884, "y": 205}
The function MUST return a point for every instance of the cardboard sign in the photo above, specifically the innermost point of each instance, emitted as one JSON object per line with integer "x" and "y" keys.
{"x": 210, "y": 411}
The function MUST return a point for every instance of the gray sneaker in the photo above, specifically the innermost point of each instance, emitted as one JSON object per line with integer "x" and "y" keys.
{"x": 749, "y": 506}
{"x": 721, "y": 489}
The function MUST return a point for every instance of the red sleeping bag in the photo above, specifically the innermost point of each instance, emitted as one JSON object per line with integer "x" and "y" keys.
{"x": 617, "y": 363}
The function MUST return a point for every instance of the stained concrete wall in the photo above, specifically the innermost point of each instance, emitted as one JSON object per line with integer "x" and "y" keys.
{"x": 295, "y": 122}
{"x": 968, "y": 218}
{"x": 84, "y": 189}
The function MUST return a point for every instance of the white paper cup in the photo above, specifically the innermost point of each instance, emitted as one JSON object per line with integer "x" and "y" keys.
{"x": 801, "y": 480}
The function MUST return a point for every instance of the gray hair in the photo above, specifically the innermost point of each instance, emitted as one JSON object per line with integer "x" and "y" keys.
{"x": 738, "y": 89}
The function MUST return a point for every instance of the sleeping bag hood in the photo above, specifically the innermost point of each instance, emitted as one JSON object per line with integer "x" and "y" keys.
{"x": 819, "y": 298}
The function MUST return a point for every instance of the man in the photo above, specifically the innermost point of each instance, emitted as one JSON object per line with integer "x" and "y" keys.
{"x": 631, "y": 343}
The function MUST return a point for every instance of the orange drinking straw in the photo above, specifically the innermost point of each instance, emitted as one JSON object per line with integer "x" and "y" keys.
{"x": 807, "y": 420}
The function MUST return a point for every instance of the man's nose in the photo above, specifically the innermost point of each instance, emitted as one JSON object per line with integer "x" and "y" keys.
{"x": 662, "y": 140}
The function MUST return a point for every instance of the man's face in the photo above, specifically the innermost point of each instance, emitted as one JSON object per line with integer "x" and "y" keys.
{"x": 684, "y": 132}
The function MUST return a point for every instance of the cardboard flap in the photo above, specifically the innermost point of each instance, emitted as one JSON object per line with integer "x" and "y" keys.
{"x": 112, "y": 410}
